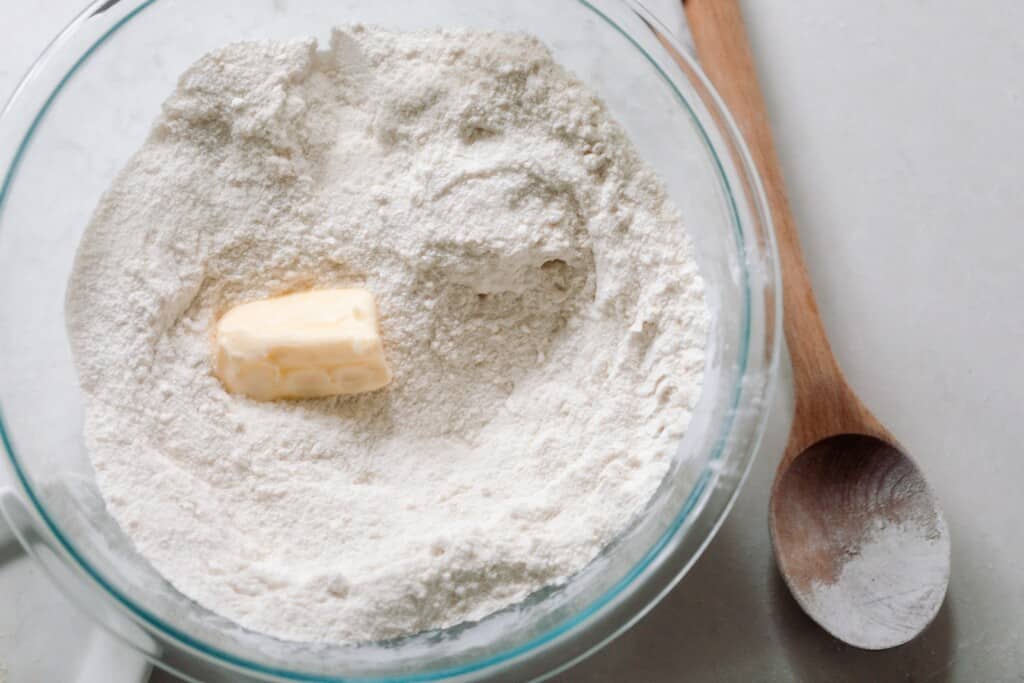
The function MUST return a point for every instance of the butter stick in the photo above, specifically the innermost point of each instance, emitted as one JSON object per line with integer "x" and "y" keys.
{"x": 308, "y": 345}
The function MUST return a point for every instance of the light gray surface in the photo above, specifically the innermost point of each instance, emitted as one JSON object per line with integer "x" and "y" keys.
{"x": 901, "y": 131}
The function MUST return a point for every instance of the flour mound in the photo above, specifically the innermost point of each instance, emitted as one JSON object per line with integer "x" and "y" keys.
{"x": 540, "y": 305}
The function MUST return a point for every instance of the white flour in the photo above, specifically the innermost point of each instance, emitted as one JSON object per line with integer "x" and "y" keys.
{"x": 541, "y": 310}
{"x": 895, "y": 567}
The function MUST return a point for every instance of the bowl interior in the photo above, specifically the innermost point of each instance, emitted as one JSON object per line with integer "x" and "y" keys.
{"x": 89, "y": 105}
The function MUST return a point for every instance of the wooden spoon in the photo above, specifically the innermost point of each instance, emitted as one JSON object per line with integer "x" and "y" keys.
{"x": 858, "y": 535}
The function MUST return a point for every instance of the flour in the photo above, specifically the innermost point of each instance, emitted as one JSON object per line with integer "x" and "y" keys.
{"x": 540, "y": 305}
{"x": 896, "y": 566}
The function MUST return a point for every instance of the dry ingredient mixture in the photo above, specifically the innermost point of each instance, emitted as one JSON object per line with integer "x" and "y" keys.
{"x": 540, "y": 306}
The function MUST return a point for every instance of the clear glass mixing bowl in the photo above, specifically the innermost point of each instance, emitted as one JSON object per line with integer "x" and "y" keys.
{"x": 87, "y": 104}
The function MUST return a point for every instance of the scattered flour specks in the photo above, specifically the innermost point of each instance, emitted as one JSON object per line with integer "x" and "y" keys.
{"x": 541, "y": 308}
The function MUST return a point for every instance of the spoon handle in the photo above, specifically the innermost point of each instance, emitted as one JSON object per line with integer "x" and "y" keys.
{"x": 824, "y": 403}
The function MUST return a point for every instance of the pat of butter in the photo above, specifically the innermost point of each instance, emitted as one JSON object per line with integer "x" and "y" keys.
{"x": 318, "y": 343}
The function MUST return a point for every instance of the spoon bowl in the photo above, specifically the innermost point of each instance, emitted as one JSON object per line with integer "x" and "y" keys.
{"x": 860, "y": 540}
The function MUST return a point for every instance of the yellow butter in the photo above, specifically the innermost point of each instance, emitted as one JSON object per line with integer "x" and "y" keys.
{"x": 307, "y": 345}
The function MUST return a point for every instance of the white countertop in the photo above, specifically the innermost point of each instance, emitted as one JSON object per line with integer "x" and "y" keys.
{"x": 901, "y": 131}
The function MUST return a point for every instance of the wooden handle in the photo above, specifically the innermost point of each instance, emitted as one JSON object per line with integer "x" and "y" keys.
{"x": 824, "y": 403}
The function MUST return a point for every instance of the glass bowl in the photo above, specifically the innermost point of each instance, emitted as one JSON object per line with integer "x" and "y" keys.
{"x": 87, "y": 104}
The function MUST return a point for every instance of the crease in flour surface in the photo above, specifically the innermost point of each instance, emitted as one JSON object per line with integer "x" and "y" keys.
{"x": 540, "y": 305}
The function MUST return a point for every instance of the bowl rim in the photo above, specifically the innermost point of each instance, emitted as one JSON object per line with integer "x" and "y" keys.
{"x": 710, "y": 497}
